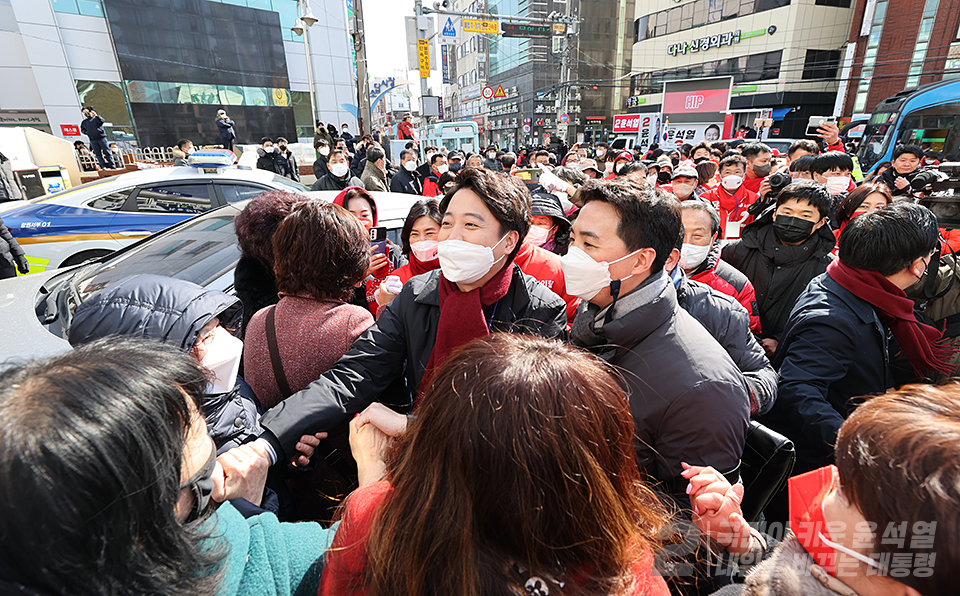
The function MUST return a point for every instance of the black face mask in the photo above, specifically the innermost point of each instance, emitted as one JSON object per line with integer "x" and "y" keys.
{"x": 663, "y": 177}
{"x": 675, "y": 160}
{"x": 455, "y": 166}
{"x": 792, "y": 229}
{"x": 201, "y": 485}
{"x": 762, "y": 171}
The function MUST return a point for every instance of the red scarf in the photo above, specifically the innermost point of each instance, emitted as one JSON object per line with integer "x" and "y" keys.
{"x": 920, "y": 343}
{"x": 417, "y": 267}
{"x": 461, "y": 317}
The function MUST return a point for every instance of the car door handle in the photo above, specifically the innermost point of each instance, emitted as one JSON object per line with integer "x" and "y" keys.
{"x": 134, "y": 232}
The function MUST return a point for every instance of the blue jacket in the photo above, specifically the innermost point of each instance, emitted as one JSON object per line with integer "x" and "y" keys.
{"x": 833, "y": 350}
{"x": 93, "y": 127}
{"x": 226, "y": 128}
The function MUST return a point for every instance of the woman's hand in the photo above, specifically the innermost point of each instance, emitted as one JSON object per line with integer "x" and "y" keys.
{"x": 389, "y": 290}
{"x": 386, "y": 420}
{"x": 716, "y": 508}
{"x": 369, "y": 447}
{"x": 241, "y": 473}
{"x": 377, "y": 262}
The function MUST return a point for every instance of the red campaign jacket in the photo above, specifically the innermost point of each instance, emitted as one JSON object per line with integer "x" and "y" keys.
{"x": 731, "y": 207}
{"x": 725, "y": 278}
{"x": 753, "y": 184}
{"x": 431, "y": 184}
{"x": 405, "y": 130}
{"x": 544, "y": 266}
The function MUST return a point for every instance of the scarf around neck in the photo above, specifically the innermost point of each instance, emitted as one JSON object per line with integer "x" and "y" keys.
{"x": 921, "y": 343}
{"x": 461, "y": 317}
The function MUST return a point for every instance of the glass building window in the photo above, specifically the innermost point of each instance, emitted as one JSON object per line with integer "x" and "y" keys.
{"x": 821, "y": 64}
{"x": 870, "y": 57}
{"x": 193, "y": 93}
{"x": 107, "y": 99}
{"x": 701, "y": 12}
{"x": 923, "y": 42}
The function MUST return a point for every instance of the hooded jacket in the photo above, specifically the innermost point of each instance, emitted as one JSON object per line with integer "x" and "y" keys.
{"x": 689, "y": 401}
{"x": 10, "y": 250}
{"x": 779, "y": 272}
{"x": 179, "y": 157}
{"x": 726, "y": 279}
{"x": 172, "y": 311}
{"x": 9, "y": 190}
{"x": 225, "y": 129}
{"x": 401, "y": 341}
{"x": 407, "y": 182}
{"x": 728, "y": 323}
{"x": 269, "y": 161}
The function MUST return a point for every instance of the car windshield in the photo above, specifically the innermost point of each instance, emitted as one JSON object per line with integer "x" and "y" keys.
{"x": 291, "y": 184}
{"x": 203, "y": 250}
{"x": 66, "y": 193}
{"x": 876, "y": 139}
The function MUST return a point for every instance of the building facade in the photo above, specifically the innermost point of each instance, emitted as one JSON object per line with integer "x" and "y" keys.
{"x": 896, "y": 45}
{"x": 784, "y": 56}
{"x": 158, "y": 70}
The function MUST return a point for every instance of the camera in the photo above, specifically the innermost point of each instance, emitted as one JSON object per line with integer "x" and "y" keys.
{"x": 778, "y": 182}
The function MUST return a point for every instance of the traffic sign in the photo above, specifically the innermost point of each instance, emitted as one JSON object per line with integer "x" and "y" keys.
{"x": 449, "y": 30}
{"x": 423, "y": 52}
{"x": 564, "y": 118}
{"x": 481, "y": 26}
{"x": 526, "y": 128}
{"x": 526, "y": 30}
{"x": 487, "y": 92}
{"x": 499, "y": 93}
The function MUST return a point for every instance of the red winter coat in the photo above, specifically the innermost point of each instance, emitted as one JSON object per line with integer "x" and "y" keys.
{"x": 544, "y": 266}
{"x": 726, "y": 279}
{"x": 731, "y": 207}
{"x": 405, "y": 130}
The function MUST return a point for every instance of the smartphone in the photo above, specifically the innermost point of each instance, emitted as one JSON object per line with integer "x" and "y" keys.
{"x": 815, "y": 122}
{"x": 378, "y": 239}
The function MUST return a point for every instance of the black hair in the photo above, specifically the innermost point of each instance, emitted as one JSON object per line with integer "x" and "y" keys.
{"x": 507, "y": 198}
{"x": 803, "y": 145}
{"x": 446, "y": 178}
{"x": 804, "y": 163}
{"x": 649, "y": 217}
{"x": 435, "y": 157}
{"x": 91, "y": 449}
{"x": 915, "y": 150}
{"x": 729, "y": 153}
{"x": 632, "y": 166}
{"x": 183, "y": 143}
{"x": 733, "y": 160}
{"x": 375, "y": 154}
{"x": 78, "y": 143}
{"x": 830, "y": 160}
{"x": 685, "y": 149}
{"x": 424, "y": 208}
{"x": 752, "y": 149}
{"x": 852, "y": 201}
{"x": 888, "y": 240}
{"x": 655, "y": 153}
{"x": 404, "y": 153}
{"x": 321, "y": 143}
{"x": 807, "y": 190}
{"x": 707, "y": 208}
{"x": 508, "y": 161}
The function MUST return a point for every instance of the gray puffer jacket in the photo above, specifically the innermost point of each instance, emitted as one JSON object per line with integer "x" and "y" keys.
{"x": 173, "y": 311}
{"x": 9, "y": 190}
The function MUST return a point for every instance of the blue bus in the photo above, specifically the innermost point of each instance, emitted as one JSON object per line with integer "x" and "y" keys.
{"x": 928, "y": 116}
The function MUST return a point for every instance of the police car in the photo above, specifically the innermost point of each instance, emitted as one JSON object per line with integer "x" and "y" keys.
{"x": 97, "y": 218}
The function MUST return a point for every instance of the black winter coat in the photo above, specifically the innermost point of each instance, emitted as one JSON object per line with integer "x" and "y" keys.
{"x": 779, "y": 272}
{"x": 689, "y": 401}
{"x": 93, "y": 127}
{"x": 270, "y": 162}
{"x": 255, "y": 286}
{"x": 402, "y": 337}
{"x": 832, "y": 350}
{"x": 9, "y": 248}
{"x": 729, "y": 323}
{"x": 320, "y": 168}
{"x": 406, "y": 182}
{"x": 173, "y": 311}
{"x": 331, "y": 182}
{"x": 225, "y": 128}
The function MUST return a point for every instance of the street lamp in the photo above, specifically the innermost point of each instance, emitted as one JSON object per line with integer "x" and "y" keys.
{"x": 305, "y": 20}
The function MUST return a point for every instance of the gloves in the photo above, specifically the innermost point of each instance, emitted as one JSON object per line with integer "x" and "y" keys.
{"x": 551, "y": 182}
{"x": 22, "y": 265}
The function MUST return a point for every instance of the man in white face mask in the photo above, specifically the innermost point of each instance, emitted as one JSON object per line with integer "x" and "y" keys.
{"x": 407, "y": 179}
{"x": 689, "y": 400}
{"x": 731, "y": 198}
{"x": 700, "y": 258}
{"x": 477, "y": 290}
{"x": 339, "y": 177}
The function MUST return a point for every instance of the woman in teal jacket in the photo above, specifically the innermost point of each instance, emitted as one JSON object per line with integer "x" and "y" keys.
{"x": 108, "y": 479}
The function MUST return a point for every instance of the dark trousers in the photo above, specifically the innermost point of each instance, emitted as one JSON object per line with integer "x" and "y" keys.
{"x": 227, "y": 143}
{"x": 7, "y": 271}
{"x": 101, "y": 152}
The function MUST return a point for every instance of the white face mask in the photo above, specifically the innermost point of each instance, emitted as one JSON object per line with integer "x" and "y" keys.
{"x": 601, "y": 152}
{"x": 732, "y": 182}
{"x": 691, "y": 255}
{"x": 429, "y": 155}
{"x": 191, "y": 150}
{"x": 425, "y": 250}
{"x": 325, "y": 151}
{"x": 339, "y": 169}
{"x": 682, "y": 189}
{"x": 538, "y": 236}
{"x": 491, "y": 155}
{"x": 410, "y": 165}
{"x": 463, "y": 262}
{"x": 223, "y": 360}
{"x": 584, "y": 276}
{"x": 837, "y": 184}
{"x": 442, "y": 169}
{"x": 269, "y": 149}
{"x": 652, "y": 179}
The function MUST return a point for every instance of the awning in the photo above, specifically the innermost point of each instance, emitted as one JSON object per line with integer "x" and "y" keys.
{"x": 779, "y": 113}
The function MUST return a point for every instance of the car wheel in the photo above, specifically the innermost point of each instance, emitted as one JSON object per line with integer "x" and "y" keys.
{"x": 86, "y": 255}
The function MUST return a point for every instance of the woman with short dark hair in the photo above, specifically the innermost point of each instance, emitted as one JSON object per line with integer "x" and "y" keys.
{"x": 517, "y": 476}
{"x": 106, "y": 476}
{"x": 418, "y": 240}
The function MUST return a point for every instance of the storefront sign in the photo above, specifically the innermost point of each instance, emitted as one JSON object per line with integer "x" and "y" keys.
{"x": 700, "y": 101}
{"x": 480, "y": 26}
{"x": 635, "y": 101}
{"x": 23, "y": 119}
{"x": 70, "y": 130}
{"x": 704, "y": 43}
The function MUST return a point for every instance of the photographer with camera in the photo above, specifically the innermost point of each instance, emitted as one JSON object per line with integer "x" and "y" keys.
{"x": 905, "y": 177}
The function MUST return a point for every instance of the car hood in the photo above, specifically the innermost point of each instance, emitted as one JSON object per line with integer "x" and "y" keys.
{"x": 25, "y": 338}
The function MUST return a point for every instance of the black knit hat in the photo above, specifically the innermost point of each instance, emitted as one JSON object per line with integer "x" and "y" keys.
{"x": 547, "y": 204}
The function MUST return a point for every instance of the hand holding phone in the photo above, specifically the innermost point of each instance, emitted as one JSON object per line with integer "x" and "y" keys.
{"x": 378, "y": 240}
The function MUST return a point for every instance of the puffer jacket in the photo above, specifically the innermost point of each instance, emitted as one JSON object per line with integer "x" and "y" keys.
{"x": 727, "y": 280}
{"x": 10, "y": 251}
{"x": 779, "y": 272}
{"x": 402, "y": 339}
{"x": 173, "y": 311}
{"x": 9, "y": 190}
{"x": 728, "y": 323}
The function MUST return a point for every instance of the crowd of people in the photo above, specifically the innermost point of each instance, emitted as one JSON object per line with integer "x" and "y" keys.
{"x": 549, "y": 386}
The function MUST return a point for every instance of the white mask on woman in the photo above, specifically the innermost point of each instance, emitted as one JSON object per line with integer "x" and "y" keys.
{"x": 425, "y": 250}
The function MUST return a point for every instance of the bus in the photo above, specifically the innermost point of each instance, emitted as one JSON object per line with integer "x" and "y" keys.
{"x": 455, "y": 136}
{"x": 928, "y": 116}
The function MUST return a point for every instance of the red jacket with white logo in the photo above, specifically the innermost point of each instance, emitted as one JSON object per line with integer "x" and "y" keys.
{"x": 731, "y": 207}
{"x": 726, "y": 279}
{"x": 544, "y": 266}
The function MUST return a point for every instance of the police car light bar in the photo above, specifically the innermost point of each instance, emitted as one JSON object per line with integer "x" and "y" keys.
{"x": 211, "y": 158}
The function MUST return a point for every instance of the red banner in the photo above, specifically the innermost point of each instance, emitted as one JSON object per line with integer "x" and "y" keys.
{"x": 627, "y": 123}
{"x": 70, "y": 130}
{"x": 692, "y": 102}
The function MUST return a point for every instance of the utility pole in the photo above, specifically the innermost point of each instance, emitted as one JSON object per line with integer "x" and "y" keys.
{"x": 421, "y": 34}
{"x": 360, "y": 47}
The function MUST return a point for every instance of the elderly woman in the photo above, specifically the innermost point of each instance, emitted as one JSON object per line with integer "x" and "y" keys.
{"x": 108, "y": 479}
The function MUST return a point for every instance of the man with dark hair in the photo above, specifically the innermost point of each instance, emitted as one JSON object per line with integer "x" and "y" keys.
{"x": 731, "y": 198}
{"x": 490, "y": 160}
{"x": 267, "y": 156}
{"x": 477, "y": 290}
{"x": 287, "y": 161}
{"x": 788, "y": 245}
{"x": 904, "y": 169}
{"x": 834, "y": 346}
{"x": 320, "y": 168}
{"x": 339, "y": 177}
{"x": 438, "y": 167}
{"x": 802, "y": 167}
{"x": 182, "y": 151}
{"x": 833, "y": 169}
{"x": 92, "y": 126}
{"x": 758, "y": 156}
{"x": 801, "y": 148}
{"x": 690, "y": 402}
{"x": 700, "y": 152}
{"x": 407, "y": 179}
{"x": 374, "y": 176}
{"x": 507, "y": 161}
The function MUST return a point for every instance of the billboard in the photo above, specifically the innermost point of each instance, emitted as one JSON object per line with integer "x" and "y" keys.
{"x": 697, "y": 96}
{"x": 646, "y": 127}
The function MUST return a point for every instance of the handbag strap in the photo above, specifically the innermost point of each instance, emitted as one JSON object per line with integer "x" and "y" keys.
{"x": 274, "y": 349}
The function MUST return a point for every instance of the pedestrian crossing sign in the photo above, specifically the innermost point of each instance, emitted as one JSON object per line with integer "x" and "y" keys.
{"x": 449, "y": 29}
